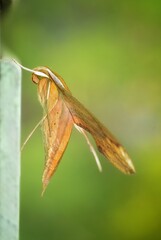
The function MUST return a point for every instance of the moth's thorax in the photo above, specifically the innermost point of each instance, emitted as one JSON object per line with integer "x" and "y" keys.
{"x": 47, "y": 93}
{"x": 55, "y": 77}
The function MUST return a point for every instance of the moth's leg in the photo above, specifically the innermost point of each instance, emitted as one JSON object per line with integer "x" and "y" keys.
{"x": 29, "y": 136}
{"x": 81, "y": 130}
{"x": 47, "y": 111}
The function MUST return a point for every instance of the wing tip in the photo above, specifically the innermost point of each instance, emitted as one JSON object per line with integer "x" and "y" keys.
{"x": 45, "y": 183}
{"x": 130, "y": 169}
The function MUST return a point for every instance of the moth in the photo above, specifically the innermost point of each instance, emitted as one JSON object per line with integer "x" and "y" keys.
{"x": 62, "y": 111}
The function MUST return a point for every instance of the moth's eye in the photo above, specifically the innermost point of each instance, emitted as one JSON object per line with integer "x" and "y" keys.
{"x": 35, "y": 78}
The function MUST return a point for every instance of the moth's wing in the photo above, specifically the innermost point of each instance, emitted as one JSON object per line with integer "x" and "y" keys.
{"x": 56, "y": 128}
{"x": 107, "y": 144}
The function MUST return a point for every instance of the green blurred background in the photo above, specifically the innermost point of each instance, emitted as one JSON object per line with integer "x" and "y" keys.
{"x": 109, "y": 53}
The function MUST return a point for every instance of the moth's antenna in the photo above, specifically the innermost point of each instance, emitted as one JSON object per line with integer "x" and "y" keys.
{"x": 91, "y": 147}
{"x": 55, "y": 78}
{"x": 38, "y": 73}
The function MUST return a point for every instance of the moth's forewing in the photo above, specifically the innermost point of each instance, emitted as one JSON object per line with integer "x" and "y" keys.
{"x": 107, "y": 144}
{"x": 56, "y": 137}
{"x": 56, "y": 127}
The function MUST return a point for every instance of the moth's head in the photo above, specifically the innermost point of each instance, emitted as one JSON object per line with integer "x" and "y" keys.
{"x": 39, "y": 73}
{"x": 45, "y": 73}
